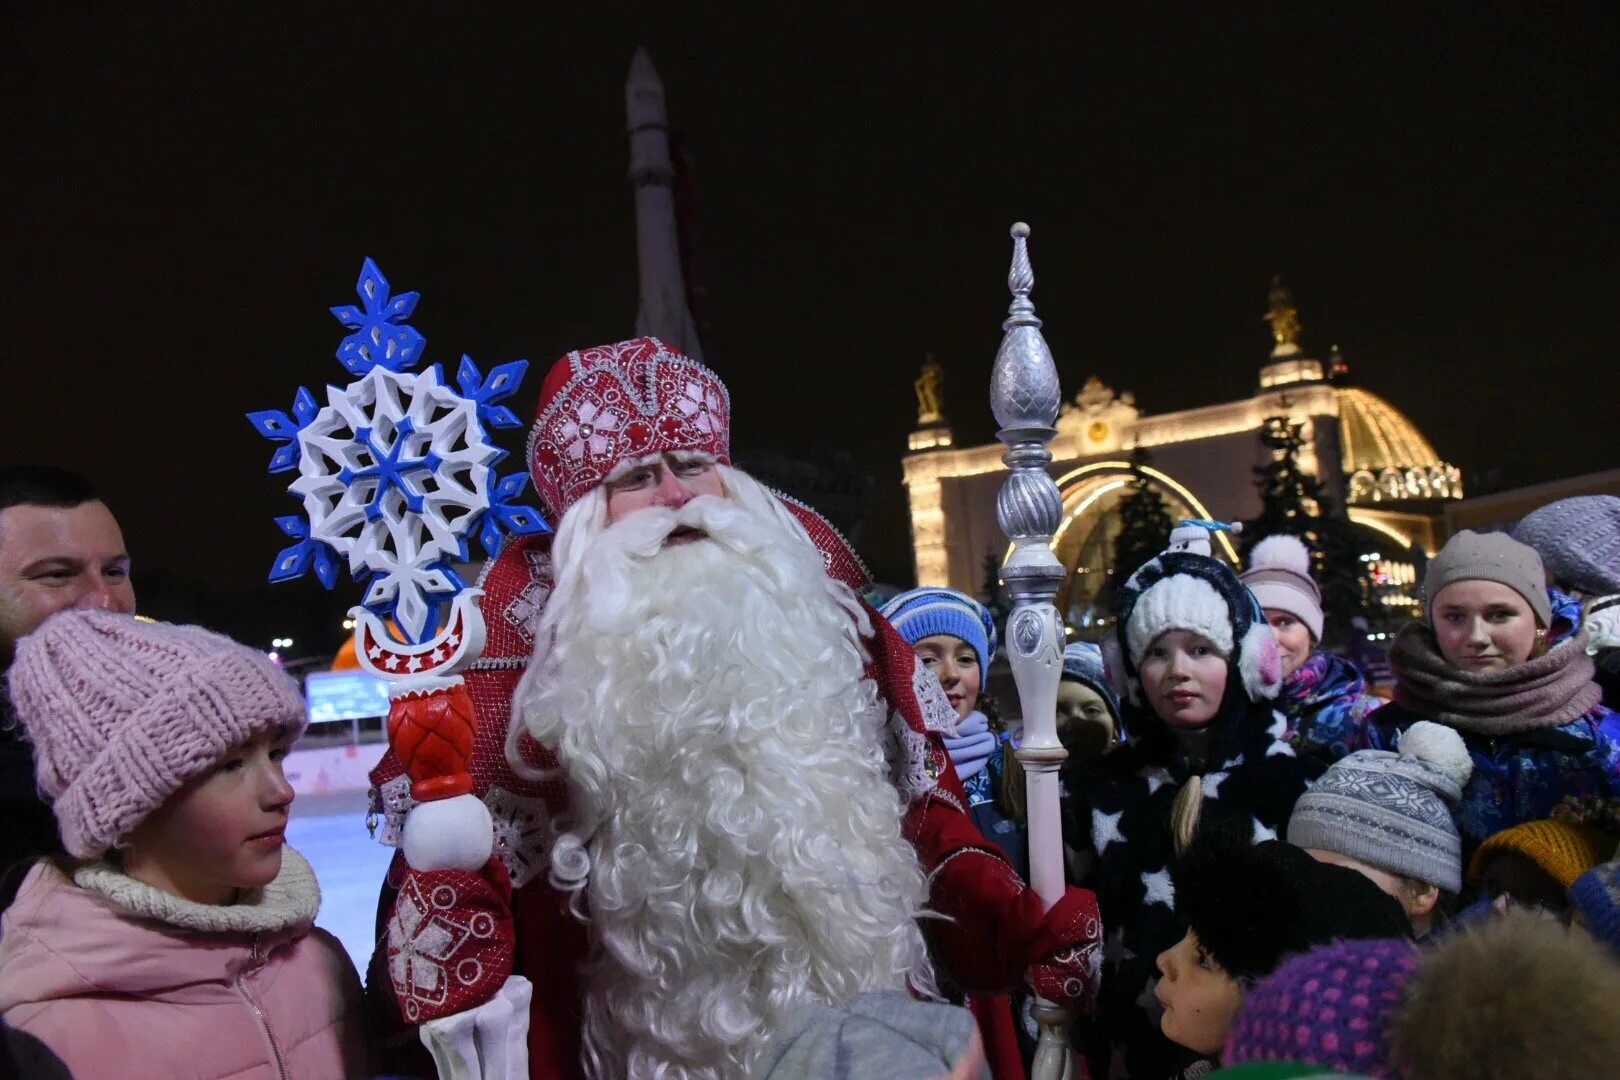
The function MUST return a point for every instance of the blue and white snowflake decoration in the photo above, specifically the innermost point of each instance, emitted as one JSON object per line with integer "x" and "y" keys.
{"x": 396, "y": 471}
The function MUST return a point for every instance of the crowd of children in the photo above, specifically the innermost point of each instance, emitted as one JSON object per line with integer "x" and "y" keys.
{"x": 1290, "y": 872}
{"x": 1225, "y": 764}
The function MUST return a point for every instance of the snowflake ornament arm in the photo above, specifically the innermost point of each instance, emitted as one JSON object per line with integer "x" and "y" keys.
{"x": 274, "y": 425}
{"x": 293, "y": 562}
{"x": 381, "y": 335}
{"x": 397, "y": 471}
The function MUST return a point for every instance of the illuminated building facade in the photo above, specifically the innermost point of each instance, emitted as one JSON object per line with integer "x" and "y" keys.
{"x": 1370, "y": 458}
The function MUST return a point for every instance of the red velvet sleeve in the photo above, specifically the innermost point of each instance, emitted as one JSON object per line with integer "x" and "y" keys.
{"x": 995, "y": 931}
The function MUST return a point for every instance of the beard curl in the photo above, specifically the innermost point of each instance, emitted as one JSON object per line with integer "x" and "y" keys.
{"x": 734, "y": 841}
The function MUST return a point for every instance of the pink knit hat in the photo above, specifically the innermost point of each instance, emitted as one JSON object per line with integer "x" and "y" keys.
{"x": 122, "y": 713}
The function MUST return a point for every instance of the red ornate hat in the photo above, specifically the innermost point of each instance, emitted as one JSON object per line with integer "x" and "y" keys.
{"x": 610, "y": 404}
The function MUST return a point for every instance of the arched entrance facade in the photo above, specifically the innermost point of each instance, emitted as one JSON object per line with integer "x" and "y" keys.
{"x": 1084, "y": 542}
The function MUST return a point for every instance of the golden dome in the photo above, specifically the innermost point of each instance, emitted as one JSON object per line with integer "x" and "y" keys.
{"x": 1384, "y": 454}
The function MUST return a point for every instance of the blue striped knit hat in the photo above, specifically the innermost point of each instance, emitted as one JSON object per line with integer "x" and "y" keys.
{"x": 920, "y": 613}
{"x": 1596, "y": 895}
{"x": 1083, "y": 662}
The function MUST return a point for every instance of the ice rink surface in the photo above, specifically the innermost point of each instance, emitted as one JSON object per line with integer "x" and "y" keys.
{"x": 330, "y": 831}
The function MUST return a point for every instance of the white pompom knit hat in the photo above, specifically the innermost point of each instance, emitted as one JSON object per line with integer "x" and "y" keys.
{"x": 1279, "y": 575}
{"x": 1180, "y": 590}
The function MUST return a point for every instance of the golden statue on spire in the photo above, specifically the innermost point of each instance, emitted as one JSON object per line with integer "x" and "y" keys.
{"x": 1283, "y": 317}
{"x": 930, "y": 387}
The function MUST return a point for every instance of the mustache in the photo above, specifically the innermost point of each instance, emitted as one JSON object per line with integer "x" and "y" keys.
{"x": 643, "y": 534}
{"x": 615, "y": 575}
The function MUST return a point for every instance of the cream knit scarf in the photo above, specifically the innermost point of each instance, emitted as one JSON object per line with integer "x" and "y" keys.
{"x": 291, "y": 900}
{"x": 1543, "y": 692}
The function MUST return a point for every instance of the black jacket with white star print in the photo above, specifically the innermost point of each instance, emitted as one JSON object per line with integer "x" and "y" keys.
{"x": 1122, "y": 805}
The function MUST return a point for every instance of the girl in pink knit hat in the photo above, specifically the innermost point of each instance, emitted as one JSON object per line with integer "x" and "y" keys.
{"x": 179, "y": 939}
{"x": 1324, "y": 696}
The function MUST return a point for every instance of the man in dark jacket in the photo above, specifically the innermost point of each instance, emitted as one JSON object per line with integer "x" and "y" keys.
{"x": 60, "y": 548}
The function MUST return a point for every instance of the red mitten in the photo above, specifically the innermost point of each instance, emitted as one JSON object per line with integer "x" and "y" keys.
{"x": 450, "y": 940}
{"x": 432, "y": 735}
{"x": 1065, "y": 957}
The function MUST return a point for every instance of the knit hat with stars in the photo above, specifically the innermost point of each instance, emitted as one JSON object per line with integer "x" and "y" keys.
{"x": 1253, "y": 905}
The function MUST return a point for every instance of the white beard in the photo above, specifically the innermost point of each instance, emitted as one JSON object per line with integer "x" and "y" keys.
{"x": 734, "y": 841}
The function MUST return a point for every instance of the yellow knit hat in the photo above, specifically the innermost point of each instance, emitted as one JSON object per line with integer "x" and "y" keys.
{"x": 1565, "y": 849}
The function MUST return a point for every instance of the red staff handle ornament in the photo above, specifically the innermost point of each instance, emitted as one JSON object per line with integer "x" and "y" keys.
{"x": 430, "y": 728}
{"x": 431, "y": 732}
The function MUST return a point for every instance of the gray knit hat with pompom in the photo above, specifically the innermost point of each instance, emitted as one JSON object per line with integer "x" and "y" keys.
{"x": 1392, "y": 810}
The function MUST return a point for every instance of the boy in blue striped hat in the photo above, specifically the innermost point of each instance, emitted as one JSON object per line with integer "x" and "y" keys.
{"x": 955, "y": 636}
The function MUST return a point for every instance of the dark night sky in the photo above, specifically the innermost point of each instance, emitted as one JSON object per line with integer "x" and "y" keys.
{"x": 188, "y": 193}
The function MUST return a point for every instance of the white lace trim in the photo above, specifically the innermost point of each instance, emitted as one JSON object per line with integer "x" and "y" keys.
{"x": 911, "y": 767}
{"x": 937, "y": 714}
{"x": 396, "y": 802}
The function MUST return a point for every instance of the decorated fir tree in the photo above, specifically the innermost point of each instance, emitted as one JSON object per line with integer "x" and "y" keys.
{"x": 1145, "y": 526}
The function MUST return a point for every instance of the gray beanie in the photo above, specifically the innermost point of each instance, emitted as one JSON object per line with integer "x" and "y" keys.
{"x": 1579, "y": 541}
{"x": 1392, "y": 810}
{"x": 1472, "y": 556}
{"x": 883, "y": 1033}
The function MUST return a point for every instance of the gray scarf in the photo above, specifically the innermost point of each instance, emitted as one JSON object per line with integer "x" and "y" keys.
{"x": 1545, "y": 691}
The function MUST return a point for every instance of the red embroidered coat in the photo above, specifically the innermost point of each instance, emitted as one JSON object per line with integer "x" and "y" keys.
{"x": 453, "y": 937}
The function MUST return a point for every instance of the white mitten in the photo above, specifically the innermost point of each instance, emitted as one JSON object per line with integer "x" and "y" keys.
{"x": 490, "y": 1042}
{"x": 448, "y": 834}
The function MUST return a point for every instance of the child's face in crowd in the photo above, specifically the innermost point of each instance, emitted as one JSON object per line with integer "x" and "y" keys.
{"x": 1183, "y": 678}
{"x": 1084, "y": 724}
{"x": 1516, "y": 876}
{"x": 1294, "y": 643}
{"x": 1483, "y": 626}
{"x": 1419, "y": 898}
{"x": 956, "y": 665}
{"x": 1200, "y": 999}
{"x": 220, "y": 833}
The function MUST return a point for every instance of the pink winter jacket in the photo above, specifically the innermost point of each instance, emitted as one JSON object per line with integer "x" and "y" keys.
{"x": 123, "y": 980}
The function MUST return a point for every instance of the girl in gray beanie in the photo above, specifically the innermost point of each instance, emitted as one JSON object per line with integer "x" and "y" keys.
{"x": 1483, "y": 663}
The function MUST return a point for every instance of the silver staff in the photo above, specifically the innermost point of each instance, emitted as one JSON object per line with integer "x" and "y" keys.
{"x": 1024, "y": 396}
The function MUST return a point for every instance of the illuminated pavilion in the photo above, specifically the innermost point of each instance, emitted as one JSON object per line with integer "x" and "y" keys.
{"x": 1372, "y": 460}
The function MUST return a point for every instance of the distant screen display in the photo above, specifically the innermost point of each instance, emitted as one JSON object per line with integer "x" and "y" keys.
{"x": 344, "y": 695}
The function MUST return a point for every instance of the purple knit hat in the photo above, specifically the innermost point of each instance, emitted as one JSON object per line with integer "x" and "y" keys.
{"x": 123, "y": 712}
{"x": 1331, "y": 1007}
